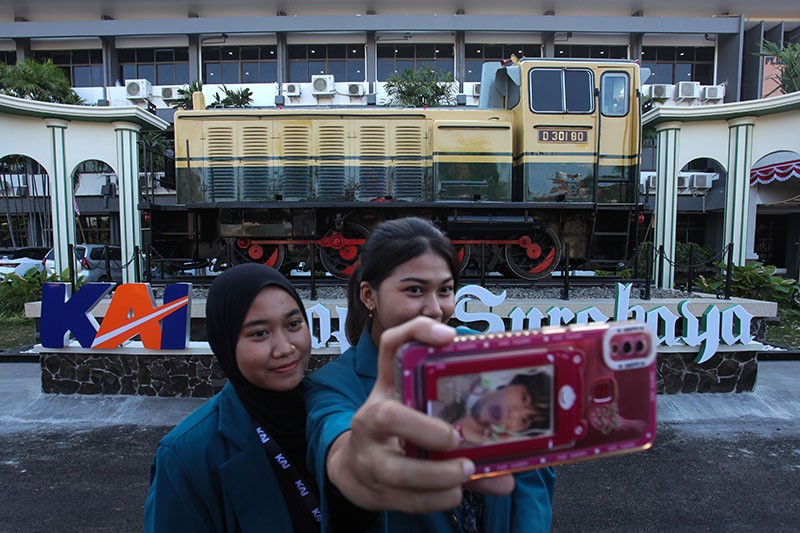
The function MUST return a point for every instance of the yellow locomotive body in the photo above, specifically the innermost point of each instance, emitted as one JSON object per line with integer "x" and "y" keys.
{"x": 551, "y": 155}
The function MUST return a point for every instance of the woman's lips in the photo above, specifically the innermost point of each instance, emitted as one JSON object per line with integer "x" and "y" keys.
{"x": 285, "y": 368}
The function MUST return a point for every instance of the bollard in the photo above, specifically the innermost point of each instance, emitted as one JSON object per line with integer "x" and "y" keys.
{"x": 483, "y": 264}
{"x": 313, "y": 261}
{"x": 661, "y": 261}
{"x": 71, "y": 266}
{"x": 565, "y": 289}
{"x": 690, "y": 282}
{"x": 729, "y": 272}
{"x": 648, "y": 271}
{"x": 137, "y": 268}
{"x": 107, "y": 257}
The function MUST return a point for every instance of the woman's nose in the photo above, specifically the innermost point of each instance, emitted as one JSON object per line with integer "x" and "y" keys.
{"x": 433, "y": 307}
{"x": 283, "y": 345}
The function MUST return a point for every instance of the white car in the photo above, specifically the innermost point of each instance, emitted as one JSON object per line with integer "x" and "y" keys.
{"x": 49, "y": 264}
{"x": 21, "y": 260}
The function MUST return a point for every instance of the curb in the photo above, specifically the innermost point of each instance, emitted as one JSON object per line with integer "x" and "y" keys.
{"x": 19, "y": 354}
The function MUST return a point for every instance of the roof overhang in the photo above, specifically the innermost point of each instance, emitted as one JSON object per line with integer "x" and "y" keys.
{"x": 33, "y": 108}
{"x": 749, "y": 108}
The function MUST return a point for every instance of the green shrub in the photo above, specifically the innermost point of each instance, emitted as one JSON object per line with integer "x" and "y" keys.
{"x": 756, "y": 281}
{"x": 15, "y": 290}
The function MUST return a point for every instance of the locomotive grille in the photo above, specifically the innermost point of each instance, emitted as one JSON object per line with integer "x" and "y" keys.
{"x": 409, "y": 169}
{"x": 330, "y": 183}
{"x": 296, "y": 147}
{"x": 372, "y": 170}
{"x": 255, "y": 170}
{"x": 221, "y": 175}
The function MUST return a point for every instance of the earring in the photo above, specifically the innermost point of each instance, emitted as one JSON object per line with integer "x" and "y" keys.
{"x": 370, "y": 312}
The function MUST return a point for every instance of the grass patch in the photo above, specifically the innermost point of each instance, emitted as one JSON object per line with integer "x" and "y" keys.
{"x": 785, "y": 331}
{"x": 16, "y": 331}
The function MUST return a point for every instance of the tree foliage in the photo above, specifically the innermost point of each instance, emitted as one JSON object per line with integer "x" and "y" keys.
{"x": 788, "y": 79}
{"x": 233, "y": 98}
{"x": 185, "y": 93}
{"x": 421, "y": 87}
{"x": 33, "y": 80}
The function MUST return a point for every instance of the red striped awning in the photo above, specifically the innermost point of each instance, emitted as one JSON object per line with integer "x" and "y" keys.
{"x": 775, "y": 172}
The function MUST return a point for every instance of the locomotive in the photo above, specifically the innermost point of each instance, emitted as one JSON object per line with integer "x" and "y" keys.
{"x": 550, "y": 156}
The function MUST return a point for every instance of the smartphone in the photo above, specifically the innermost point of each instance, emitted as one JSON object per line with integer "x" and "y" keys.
{"x": 526, "y": 399}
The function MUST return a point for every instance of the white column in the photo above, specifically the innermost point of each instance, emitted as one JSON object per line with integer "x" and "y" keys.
{"x": 62, "y": 195}
{"x": 737, "y": 188}
{"x": 129, "y": 216}
{"x": 666, "y": 200}
{"x": 752, "y": 210}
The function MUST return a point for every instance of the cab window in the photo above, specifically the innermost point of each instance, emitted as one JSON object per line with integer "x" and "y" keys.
{"x": 615, "y": 94}
{"x": 561, "y": 90}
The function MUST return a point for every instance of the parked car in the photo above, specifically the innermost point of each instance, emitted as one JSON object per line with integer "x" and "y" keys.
{"x": 94, "y": 266}
{"x": 21, "y": 260}
{"x": 49, "y": 264}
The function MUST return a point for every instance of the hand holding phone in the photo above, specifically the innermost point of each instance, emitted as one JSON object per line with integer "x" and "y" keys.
{"x": 527, "y": 399}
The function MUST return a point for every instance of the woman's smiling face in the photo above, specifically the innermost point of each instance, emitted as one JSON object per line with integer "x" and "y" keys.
{"x": 510, "y": 407}
{"x": 422, "y": 286}
{"x": 274, "y": 343}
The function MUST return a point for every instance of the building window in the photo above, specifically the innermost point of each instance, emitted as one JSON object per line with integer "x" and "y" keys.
{"x": 84, "y": 68}
{"x": 555, "y": 90}
{"x": 240, "y": 64}
{"x": 671, "y": 64}
{"x": 478, "y": 54}
{"x": 591, "y": 51}
{"x": 161, "y": 66}
{"x": 396, "y": 58}
{"x": 8, "y": 57}
{"x": 345, "y": 62}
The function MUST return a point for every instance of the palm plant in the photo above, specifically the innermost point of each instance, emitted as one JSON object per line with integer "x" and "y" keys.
{"x": 422, "y": 87}
{"x": 233, "y": 98}
{"x": 788, "y": 79}
{"x": 33, "y": 80}
{"x": 185, "y": 100}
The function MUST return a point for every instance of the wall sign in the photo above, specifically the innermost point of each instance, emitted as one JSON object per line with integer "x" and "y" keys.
{"x": 132, "y": 311}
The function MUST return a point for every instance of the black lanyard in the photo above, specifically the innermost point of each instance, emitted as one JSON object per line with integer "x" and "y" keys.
{"x": 290, "y": 475}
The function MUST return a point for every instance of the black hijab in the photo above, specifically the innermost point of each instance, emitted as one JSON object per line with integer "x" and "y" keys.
{"x": 282, "y": 413}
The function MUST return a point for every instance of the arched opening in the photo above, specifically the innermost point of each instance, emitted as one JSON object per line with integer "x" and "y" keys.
{"x": 25, "y": 210}
{"x": 96, "y": 188}
{"x": 701, "y": 205}
{"x": 775, "y": 191}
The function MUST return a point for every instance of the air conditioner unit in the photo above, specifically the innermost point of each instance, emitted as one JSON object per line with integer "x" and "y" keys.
{"x": 138, "y": 89}
{"x": 687, "y": 90}
{"x": 291, "y": 89}
{"x": 713, "y": 92}
{"x": 684, "y": 180}
{"x": 170, "y": 93}
{"x": 322, "y": 85}
{"x": 356, "y": 89}
{"x": 649, "y": 179}
{"x": 476, "y": 89}
{"x": 661, "y": 91}
{"x": 702, "y": 180}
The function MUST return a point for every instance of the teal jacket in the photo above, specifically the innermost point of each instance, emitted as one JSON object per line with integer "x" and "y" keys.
{"x": 211, "y": 474}
{"x": 336, "y": 392}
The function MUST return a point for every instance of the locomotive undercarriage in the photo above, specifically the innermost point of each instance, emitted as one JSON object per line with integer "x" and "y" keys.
{"x": 504, "y": 238}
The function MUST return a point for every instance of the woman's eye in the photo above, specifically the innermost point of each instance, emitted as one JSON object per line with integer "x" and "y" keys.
{"x": 446, "y": 290}
{"x": 414, "y": 290}
{"x": 259, "y": 333}
{"x": 295, "y": 324}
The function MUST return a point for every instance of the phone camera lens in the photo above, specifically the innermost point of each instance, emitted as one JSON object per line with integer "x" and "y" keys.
{"x": 639, "y": 346}
{"x": 627, "y": 347}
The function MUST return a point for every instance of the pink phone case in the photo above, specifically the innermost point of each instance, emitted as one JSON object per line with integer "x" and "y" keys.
{"x": 526, "y": 399}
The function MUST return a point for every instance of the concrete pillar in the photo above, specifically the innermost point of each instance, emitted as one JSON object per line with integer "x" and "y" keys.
{"x": 371, "y": 57}
{"x": 130, "y": 221}
{"x": 195, "y": 58}
{"x": 737, "y": 188}
{"x": 461, "y": 60}
{"x": 62, "y": 196}
{"x": 666, "y": 200}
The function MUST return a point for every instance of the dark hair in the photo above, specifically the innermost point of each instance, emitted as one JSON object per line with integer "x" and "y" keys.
{"x": 538, "y": 387}
{"x": 389, "y": 245}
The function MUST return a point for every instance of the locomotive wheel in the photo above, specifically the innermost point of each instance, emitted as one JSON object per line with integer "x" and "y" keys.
{"x": 341, "y": 260}
{"x": 536, "y": 256}
{"x": 463, "y": 252}
{"x": 272, "y": 255}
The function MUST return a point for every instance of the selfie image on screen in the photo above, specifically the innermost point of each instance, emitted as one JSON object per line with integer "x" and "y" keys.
{"x": 496, "y": 406}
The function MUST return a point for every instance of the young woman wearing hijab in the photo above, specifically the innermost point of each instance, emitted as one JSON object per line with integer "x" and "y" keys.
{"x": 238, "y": 462}
{"x": 405, "y": 280}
